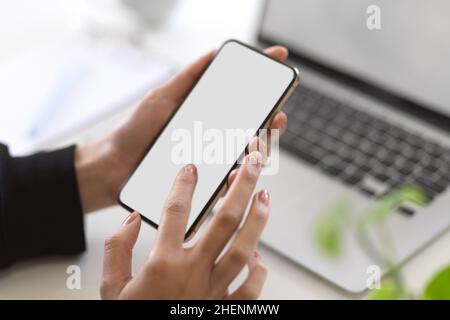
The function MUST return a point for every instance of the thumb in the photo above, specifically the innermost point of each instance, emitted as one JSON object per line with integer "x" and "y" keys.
{"x": 118, "y": 256}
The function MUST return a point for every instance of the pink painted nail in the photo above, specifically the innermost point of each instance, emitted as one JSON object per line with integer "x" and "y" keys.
{"x": 130, "y": 218}
{"x": 264, "y": 197}
{"x": 190, "y": 168}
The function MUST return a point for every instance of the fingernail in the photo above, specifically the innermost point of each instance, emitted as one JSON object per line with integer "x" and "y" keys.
{"x": 130, "y": 218}
{"x": 264, "y": 197}
{"x": 190, "y": 168}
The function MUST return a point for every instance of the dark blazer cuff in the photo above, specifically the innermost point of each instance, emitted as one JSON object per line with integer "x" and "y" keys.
{"x": 41, "y": 213}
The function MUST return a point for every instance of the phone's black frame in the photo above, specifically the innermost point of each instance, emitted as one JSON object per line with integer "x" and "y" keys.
{"x": 223, "y": 182}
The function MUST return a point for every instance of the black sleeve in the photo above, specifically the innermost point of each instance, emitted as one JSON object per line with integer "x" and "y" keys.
{"x": 40, "y": 209}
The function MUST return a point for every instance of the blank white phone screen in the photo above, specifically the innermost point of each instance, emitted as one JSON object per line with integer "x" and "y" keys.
{"x": 236, "y": 93}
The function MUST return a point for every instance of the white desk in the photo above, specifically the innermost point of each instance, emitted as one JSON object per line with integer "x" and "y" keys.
{"x": 194, "y": 27}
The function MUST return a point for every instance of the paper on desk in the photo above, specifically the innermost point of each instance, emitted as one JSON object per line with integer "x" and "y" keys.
{"x": 55, "y": 89}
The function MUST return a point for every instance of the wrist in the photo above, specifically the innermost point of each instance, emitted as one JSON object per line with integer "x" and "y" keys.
{"x": 94, "y": 168}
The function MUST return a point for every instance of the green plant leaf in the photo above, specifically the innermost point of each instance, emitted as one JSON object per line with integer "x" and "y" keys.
{"x": 415, "y": 195}
{"x": 329, "y": 230}
{"x": 389, "y": 202}
{"x": 438, "y": 288}
{"x": 389, "y": 290}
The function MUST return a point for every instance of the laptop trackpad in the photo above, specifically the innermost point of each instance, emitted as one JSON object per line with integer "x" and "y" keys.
{"x": 300, "y": 198}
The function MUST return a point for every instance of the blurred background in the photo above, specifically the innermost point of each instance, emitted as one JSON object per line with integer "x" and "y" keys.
{"x": 68, "y": 46}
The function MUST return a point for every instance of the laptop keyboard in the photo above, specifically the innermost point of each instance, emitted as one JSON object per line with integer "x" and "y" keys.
{"x": 363, "y": 151}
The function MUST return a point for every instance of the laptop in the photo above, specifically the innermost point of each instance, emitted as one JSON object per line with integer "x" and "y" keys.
{"x": 371, "y": 115}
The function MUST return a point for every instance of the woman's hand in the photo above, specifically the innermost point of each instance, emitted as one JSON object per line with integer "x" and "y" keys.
{"x": 199, "y": 272}
{"x": 103, "y": 165}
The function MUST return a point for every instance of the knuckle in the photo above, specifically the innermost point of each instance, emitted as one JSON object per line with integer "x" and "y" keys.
{"x": 176, "y": 206}
{"x": 228, "y": 218}
{"x": 239, "y": 255}
{"x": 159, "y": 261}
{"x": 261, "y": 216}
{"x": 158, "y": 266}
{"x": 110, "y": 286}
{"x": 249, "y": 176}
{"x": 106, "y": 287}
{"x": 185, "y": 179}
{"x": 112, "y": 243}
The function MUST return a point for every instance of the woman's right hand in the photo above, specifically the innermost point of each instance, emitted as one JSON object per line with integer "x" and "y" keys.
{"x": 202, "y": 271}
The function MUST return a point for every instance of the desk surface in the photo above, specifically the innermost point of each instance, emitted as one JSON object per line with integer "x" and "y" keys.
{"x": 182, "y": 38}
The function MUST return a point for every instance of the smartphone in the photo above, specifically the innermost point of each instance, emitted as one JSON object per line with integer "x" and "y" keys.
{"x": 240, "y": 91}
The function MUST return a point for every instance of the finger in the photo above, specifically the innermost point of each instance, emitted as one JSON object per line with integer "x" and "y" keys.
{"x": 266, "y": 137}
{"x": 230, "y": 214}
{"x": 176, "y": 211}
{"x": 260, "y": 144}
{"x": 232, "y": 177}
{"x": 244, "y": 245}
{"x": 117, "y": 257}
{"x": 276, "y": 129}
{"x": 179, "y": 85}
{"x": 277, "y": 52}
{"x": 252, "y": 286}
{"x": 279, "y": 123}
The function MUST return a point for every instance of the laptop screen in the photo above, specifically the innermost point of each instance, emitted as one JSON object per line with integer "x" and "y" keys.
{"x": 409, "y": 55}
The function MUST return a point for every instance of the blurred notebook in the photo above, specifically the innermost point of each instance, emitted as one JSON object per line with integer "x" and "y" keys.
{"x": 54, "y": 89}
